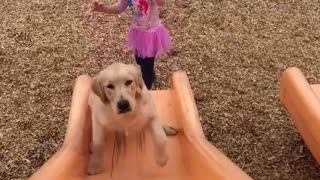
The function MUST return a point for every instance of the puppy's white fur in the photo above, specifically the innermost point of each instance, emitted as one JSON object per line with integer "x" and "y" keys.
{"x": 113, "y": 84}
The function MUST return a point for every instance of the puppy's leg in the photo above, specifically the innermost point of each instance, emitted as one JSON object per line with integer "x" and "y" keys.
{"x": 160, "y": 140}
{"x": 98, "y": 144}
{"x": 170, "y": 130}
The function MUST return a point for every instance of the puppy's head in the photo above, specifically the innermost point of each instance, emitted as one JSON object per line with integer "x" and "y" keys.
{"x": 119, "y": 85}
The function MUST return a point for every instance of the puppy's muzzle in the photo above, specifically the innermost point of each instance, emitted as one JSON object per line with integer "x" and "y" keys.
{"x": 123, "y": 106}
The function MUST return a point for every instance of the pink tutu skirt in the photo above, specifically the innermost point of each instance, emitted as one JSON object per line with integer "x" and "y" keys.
{"x": 149, "y": 43}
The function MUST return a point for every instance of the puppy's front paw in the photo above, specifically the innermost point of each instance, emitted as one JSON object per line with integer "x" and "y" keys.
{"x": 95, "y": 167}
{"x": 170, "y": 131}
{"x": 162, "y": 160}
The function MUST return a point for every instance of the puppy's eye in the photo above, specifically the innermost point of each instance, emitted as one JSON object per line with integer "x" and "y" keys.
{"x": 110, "y": 86}
{"x": 128, "y": 82}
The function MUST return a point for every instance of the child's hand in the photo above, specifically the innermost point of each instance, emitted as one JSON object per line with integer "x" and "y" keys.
{"x": 178, "y": 3}
{"x": 96, "y": 7}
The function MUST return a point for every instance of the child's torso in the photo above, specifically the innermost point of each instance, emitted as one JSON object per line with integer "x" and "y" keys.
{"x": 145, "y": 13}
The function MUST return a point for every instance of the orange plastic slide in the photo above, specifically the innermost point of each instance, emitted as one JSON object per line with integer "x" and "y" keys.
{"x": 191, "y": 156}
{"x": 303, "y": 105}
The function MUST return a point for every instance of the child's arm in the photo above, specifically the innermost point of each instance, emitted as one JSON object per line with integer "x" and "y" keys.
{"x": 160, "y": 3}
{"x": 109, "y": 9}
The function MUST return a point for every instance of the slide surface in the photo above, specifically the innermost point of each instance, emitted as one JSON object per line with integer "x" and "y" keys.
{"x": 191, "y": 156}
{"x": 302, "y": 102}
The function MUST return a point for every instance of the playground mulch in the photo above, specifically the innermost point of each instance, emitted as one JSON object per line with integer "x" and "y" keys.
{"x": 233, "y": 51}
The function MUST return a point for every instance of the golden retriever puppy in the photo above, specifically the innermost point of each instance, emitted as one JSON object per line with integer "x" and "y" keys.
{"x": 120, "y": 102}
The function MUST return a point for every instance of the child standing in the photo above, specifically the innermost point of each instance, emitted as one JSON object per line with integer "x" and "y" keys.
{"x": 147, "y": 37}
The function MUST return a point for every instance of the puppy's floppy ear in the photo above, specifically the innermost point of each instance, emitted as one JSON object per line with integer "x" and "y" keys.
{"x": 98, "y": 89}
{"x": 138, "y": 78}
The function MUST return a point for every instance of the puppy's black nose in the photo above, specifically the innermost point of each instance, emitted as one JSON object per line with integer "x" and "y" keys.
{"x": 123, "y": 106}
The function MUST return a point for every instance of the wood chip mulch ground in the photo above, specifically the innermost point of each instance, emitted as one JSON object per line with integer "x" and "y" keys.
{"x": 233, "y": 51}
